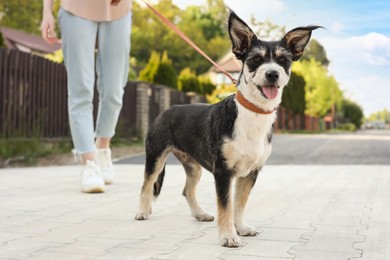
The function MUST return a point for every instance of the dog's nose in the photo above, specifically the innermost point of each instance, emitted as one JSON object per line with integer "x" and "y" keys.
{"x": 272, "y": 75}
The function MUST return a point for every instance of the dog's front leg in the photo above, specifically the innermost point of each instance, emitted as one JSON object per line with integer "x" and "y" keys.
{"x": 244, "y": 186}
{"x": 227, "y": 232}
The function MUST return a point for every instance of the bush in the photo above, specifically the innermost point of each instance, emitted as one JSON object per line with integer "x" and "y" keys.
{"x": 353, "y": 112}
{"x": 159, "y": 70}
{"x": 188, "y": 82}
{"x": 148, "y": 73}
{"x": 205, "y": 85}
{"x": 221, "y": 93}
{"x": 27, "y": 150}
{"x": 347, "y": 127}
{"x": 166, "y": 74}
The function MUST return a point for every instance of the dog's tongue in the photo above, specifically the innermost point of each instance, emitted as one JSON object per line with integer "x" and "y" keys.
{"x": 270, "y": 91}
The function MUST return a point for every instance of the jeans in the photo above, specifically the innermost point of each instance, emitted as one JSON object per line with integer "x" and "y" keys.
{"x": 110, "y": 62}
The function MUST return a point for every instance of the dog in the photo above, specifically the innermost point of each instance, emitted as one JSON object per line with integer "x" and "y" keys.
{"x": 231, "y": 139}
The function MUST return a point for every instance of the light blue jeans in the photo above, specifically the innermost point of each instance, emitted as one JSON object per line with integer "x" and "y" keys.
{"x": 111, "y": 63}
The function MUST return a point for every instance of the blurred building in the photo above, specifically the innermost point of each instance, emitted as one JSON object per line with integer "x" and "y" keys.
{"x": 230, "y": 64}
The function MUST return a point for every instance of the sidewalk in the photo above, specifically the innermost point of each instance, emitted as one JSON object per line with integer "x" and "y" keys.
{"x": 302, "y": 212}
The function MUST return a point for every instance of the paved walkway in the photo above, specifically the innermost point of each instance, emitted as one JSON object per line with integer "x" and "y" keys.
{"x": 302, "y": 212}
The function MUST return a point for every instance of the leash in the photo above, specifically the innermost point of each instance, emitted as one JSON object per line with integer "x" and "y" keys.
{"x": 188, "y": 40}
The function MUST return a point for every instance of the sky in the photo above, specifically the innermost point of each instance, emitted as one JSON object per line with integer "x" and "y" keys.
{"x": 356, "y": 39}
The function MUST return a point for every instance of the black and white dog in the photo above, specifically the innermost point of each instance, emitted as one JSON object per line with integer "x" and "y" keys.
{"x": 231, "y": 139}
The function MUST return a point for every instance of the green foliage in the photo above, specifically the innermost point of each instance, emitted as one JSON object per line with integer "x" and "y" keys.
{"x": 2, "y": 44}
{"x": 316, "y": 51}
{"x": 353, "y": 112}
{"x": 166, "y": 74}
{"x": 188, "y": 81}
{"x": 205, "y": 25}
{"x": 205, "y": 85}
{"x": 28, "y": 150}
{"x": 321, "y": 90}
{"x": 268, "y": 31}
{"x": 56, "y": 56}
{"x": 221, "y": 93}
{"x": 159, "y": 70}
{"x": 383, "y": 115}
{"x": 148, "y": 73}
{"x": 294, "y": 94}
{"x": 23, "y": 15}
{"x": 347, "y": 127}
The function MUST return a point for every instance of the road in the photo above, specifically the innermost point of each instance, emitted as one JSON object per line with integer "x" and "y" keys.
{"x": 302, "y": 211}
{"x": 368, "y": 147}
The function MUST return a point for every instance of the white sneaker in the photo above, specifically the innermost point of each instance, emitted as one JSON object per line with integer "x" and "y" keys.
{"x": 91, "y": 178}
{"x": 104, "y": 159}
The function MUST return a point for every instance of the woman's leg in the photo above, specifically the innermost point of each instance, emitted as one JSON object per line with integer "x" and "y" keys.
{"x": 78, "y": 44}
{"x": 112, "y": 66}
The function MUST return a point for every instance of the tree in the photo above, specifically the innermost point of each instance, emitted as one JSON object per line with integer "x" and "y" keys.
{"x": 148, "y": 73}
{"x": 353, "y": 112}
{"x": 205, "y": 25}
{"x": 383, "y": 115}
{"x": 159, "y": 70}
{"x": 188, "y": 81}
{"x": 322, "y": 93}
{"x": 267, "y": 30}
{"x": 316, "y": 51}
{"x": 205, "y": 85}
{"x": 165, "y": 73}
{"x": 23, "y": 15}
{"x": 294, "y": 94}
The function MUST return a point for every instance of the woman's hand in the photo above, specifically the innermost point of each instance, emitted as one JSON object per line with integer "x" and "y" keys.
{"x": 115, "y": 2}
{"x": 48, "y": 28}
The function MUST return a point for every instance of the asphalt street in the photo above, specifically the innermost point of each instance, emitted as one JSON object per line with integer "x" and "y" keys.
{"x": 367, "y": 147}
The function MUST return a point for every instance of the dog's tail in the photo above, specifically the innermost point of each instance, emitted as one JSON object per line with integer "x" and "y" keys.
{"x": 158, "y": 184}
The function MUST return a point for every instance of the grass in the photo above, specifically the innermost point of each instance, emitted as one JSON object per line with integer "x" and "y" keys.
{"x": 27, "y": 151}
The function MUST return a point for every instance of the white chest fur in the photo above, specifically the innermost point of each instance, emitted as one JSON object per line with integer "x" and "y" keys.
{"x": 249, "y": 148}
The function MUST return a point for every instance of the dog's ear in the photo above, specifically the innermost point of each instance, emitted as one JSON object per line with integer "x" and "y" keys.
{"x": 297, "y": 39}
{"x": 240, "y": 34}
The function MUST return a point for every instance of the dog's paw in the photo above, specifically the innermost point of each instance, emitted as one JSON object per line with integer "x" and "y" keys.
{"x": 247, "y": 231}
{"x": 230, "y": 240}
{"x": 204, "y": 217}
{"x": 142, "y": 216}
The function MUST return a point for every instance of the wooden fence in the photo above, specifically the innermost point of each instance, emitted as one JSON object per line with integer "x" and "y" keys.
{"x": 288, "y": 121}
{"x": 33, "y": 99}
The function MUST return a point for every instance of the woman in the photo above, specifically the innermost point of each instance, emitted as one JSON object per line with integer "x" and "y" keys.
{"x": 86, "y": 25}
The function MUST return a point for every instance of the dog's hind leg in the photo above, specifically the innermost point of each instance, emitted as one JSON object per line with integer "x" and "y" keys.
{"x": 193, "y": 172}
{"x": 244, "y": 186}
{"x": 153, "y": 178}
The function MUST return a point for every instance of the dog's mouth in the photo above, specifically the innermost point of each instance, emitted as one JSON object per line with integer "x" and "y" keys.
{"x": 269, "y": 91}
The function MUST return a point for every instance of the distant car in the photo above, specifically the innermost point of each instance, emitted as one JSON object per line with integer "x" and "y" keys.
{"x": 375, "y": 125}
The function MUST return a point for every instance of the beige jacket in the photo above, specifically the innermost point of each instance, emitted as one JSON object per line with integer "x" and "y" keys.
{"x": 97, "y": 10}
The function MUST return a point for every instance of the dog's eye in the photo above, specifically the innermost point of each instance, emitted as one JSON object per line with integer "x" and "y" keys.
{"x": 258, "y": 59}
{"x": 281, "y": 60}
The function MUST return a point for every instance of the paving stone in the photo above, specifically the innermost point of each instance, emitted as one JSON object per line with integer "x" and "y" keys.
{"x": 282, "y": 234}
{"x": 251, "y": 257}
{"x": 22, "y": 248}
{"x": 329, "y": 244}
{"x": 335, "y": 231}
{"x": 299, "y": 210}
{"x": 323, "y": 255}
{"x": 91, "y": 247}
{"x": 264, "y": 248}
